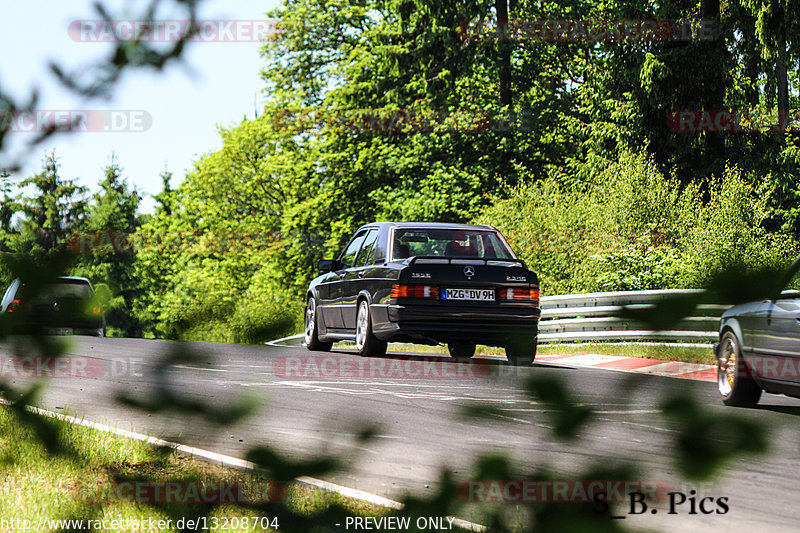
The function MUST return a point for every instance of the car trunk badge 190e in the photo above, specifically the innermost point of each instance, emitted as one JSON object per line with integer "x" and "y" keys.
{"x": 469, "y": 271}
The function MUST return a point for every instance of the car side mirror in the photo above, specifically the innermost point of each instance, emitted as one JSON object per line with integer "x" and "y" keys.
{"x": 327, "y": 265}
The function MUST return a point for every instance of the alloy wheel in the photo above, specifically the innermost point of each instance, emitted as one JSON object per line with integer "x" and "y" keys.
{"x": 726, "y": 369}
{"x": 310, "y": 321}
{"x": 362, "y": 324}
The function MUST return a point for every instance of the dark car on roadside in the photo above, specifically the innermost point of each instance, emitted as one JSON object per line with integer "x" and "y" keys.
{"x": 65, "y": 306}
{"x": 759, "y": 346}
{"x": 429, "y": 283}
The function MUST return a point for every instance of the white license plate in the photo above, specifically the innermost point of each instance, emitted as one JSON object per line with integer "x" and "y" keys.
{"x": 58, "y": 331}
{"x": 479, "y": 295}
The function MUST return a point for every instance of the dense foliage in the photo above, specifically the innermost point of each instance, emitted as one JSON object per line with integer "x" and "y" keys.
{"x": 583, "y": 187}
{"x": 635, "y": 229}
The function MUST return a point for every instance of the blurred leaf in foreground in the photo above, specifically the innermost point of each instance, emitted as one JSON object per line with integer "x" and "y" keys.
{"x": 708, "y": 440}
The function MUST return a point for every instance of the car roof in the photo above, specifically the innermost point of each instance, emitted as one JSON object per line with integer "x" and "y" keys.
{"x": 447, "y": 225}
{"x": 74, "y": 278}
{"x": 65, "y": 278}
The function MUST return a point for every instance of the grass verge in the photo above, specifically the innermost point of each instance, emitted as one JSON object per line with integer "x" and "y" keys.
{"x": 686, "y": 354}
{"x": 120, "y": 483}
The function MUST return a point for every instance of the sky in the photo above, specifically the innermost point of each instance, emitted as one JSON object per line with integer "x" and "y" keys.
{"x": 167, "y": 119}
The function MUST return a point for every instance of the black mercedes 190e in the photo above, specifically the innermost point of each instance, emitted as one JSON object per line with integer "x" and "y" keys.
{"x": 427, "y": 283}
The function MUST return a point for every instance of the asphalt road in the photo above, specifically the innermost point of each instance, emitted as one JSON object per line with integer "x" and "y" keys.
{"x": 317, "y": 403}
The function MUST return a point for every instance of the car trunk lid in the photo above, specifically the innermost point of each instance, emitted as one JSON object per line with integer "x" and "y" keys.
{"x": 471, "y": 281}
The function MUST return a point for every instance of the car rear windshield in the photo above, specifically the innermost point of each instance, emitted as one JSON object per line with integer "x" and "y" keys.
{"x": 66, "y": 289}
{"x": 481, "y": 244}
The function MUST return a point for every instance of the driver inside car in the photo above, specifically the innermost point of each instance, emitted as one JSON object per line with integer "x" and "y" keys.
{"x": 460, "y": 246}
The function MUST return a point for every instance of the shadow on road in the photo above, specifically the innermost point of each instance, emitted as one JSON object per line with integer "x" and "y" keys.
{"x": 437, "y": 358}
{"x": 785, "y": 409}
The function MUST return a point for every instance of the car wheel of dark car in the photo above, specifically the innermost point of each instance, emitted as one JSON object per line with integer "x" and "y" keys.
{"x": 521, "y": 352}
{"x": 733, "y": 381}
{"x": 311, "y": 337}
{"x": 461, "y": 349}
{"x": 366, "y": 342}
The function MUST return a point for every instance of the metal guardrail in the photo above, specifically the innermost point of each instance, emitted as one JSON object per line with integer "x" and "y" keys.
{"x": 595, "y": 317}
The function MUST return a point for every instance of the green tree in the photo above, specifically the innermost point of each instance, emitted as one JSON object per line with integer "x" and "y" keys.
{"x": 211, "y": 244}
{"x": 49, "y": 215}
{"x": 164, "y": 198}
{"x": 112, "y": 219}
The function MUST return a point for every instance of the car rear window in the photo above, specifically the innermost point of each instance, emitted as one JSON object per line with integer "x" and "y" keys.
{"x": 482, "y": 244}
{"x": 66, "y": 289}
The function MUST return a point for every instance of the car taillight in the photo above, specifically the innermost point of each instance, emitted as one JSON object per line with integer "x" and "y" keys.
{"x": 521, "y": 295}
{"x": 14, "y": 304}
{"x": 414, "y": 291}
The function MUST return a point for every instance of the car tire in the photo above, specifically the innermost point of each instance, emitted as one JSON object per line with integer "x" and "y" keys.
{"x": 461, "y": 349}
{"x": 311, "y": 329}
{"x": 521, "y": 352}
{"x": 366, "y": 341}
{"x": 734, "y": 383}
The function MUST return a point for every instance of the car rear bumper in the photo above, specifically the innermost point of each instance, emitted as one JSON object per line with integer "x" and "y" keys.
{"x": 78, "y": 324}
{"x": 483, "y": 325}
